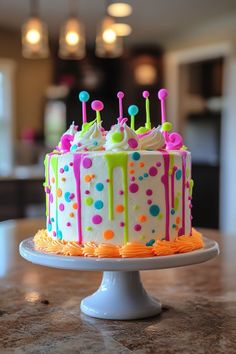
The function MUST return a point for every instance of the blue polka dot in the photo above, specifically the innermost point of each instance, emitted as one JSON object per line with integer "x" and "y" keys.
{"x": 66, "y": 168}
{"x": 145, "y": 175}
{"x": 136, "y": 156}
{"x": 154, "y": 210}
{"x": 150, "y": 242}
{"x": 49, "y": 227}
{"x": 99, "y": 187}
{"x": 172, "y": 211}
{"x": 140, "y": 178}
{"x": 98, "y": 204}
{"x": 59, "y": 234}
{"x": 73, "y": 147}
{"x": 52, "y": 219}
{"x": 67, "y": 197}
{"x": 174, "y": 226}
{"x": 178, "y": 174}
{"x": 95, "y": 143}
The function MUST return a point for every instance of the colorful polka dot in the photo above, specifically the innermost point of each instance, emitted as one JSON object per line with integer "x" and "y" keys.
{"x": 145, "y": 175}
{"x": 133, "y": 143}
{"x": 89, "y": 201}
{"x": 89, "y": 228}
{"x": 71, "y": 215}
{"x": 87, "y": 163}
{"x": 120, "y": 208}
{"x": 117, "y": 137}
{"x": 142, "y": 218}
{"x": 131, "y": 172}
{"x": 99, "y": 187}
{"x": 61, "y": 207}
{"x": 136, "y": 155}
{"x": 122, "y": 224}
{"x": 133, "y": 188}
{"x": 87, "y": 178}
{"x": 59, "y": 234}
{"x": 66, "y": 168}
{"x": 152, "y": 171}
{"x": 68, "y": 224}
{"x": 150, "y": 242}
{"x": 140, "y": 178}
{"x": 148, "y": 192}
{"x": 137, "y": 227}
{"x": 172, "y": 211}
{"x": 49, "y": 227}
{"x": 75, "y": 206}
{"x": 141, "y": 164}
{"x": 149, "y": 201}
{"x": 63, "y": 179}
{"x": 154, "y": 210}
{"x": 121, "y": 192}
{"x": 97, "y": 219}
{"x": 98, "y": 204}
{"x": 108, "y": 234}
{"x": 178, "y": 174}
{"x": 131, "y": 164}
{"x": 51, "y": 198}
{"x": 59, "y": 192}
{"x": 61, "y": 170}
{"x": 67, "y": 197}
{"x": 177, "y": 220}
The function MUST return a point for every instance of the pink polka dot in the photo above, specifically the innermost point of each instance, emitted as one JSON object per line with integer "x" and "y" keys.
{"x": 51, "y": 198}
{"x": 71, "y": 196}
{"x": 71, "y": 164}
{"x": 61, "y": 170}
{"x": 54, "y": 233}
{"x": 132, "y": 178}
{"x": 133, "y": 143}
{"x": 87, "y": 192}
{"x": 97, "y": 219}
{"x": 152, "y": 171}
{"x": 122, "y": 224}
{"x": 121, "y": 192}
{"x": 149, "y": 192}
{"x": 68, "y": 224}
{"x": 137, "y": 227}
{"x": 122, "y": 129}
{"x": 149, "y": 201}
{"x": 107, "y": 180}
{"x": 158, "y": 164}
{"x": 87, "y": 163}
{"x": 133, "y": 188}
{"x": 61, "y": 207}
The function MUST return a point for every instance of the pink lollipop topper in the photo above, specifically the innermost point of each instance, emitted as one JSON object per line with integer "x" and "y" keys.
{"x": 97, "y": 106}
{"x": 162, "y": 94}
{"x": 147, "y": 107}
{"x": 120, "y": 96}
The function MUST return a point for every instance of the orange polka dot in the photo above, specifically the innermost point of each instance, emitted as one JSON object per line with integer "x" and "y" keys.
{"x": 75, "y": 206}
{"x": 177, "y": 220}
{"x": 131, "y": 164}
{"x": 59, "y": 192}
{"x": 108, "y": 234}
{"x": 142, "y": 218}
{"x": 87, "y": 178}
{"x": 63, "y": 179}
{"x": 141, "y": 164}
{"x": 120, "y": 208}
{"x": 131, "y": 172}
{"x": 93, "y": 176}
{"x": 53, "y": 180}
{"x": 177, "y": 228}
{"x": 71, "y": 215}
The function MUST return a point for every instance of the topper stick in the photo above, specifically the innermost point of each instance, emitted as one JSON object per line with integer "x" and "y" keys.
{"x": 120, "y": 96}
{"x": 84, "y": 97}
{"x": 147, "y": 107}
{"x": 162, "y": 94}
{"x": 97, "y": 106}
{"x": 133, "y": 110}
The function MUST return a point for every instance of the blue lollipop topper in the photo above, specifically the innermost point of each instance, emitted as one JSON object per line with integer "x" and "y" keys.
{"x": 84, "y": 97}
{"x": 133, "y": 111}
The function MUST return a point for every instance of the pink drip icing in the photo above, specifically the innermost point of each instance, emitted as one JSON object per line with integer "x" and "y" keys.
{"x": 182, "y": 229}
{"x": 190, "y": 214}
{"x": 76, "y": 167}
{"x": 173, "y": 187}
{"x": 48, "y": 196}
{"x": 165, "y": 181}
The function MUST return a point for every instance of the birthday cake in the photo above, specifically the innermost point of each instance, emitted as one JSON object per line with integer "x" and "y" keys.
{"x": 119, "y": 193}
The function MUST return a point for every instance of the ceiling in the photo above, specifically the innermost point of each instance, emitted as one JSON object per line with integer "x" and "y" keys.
{"x": 153, "y": 21}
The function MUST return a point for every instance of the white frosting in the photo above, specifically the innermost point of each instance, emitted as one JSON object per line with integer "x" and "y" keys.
{"x": 92, "y": 140}
{"x": 128, "y": 138}
{"x": 154, "y": 140}
{"x": 72, "y": 129}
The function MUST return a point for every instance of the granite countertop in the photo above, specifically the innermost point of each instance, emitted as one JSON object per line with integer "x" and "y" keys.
{"x": 40, "y": 307}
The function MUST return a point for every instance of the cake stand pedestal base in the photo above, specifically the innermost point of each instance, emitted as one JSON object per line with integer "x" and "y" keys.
{"x": 105, "y": 302}
{"x": 121, "y": 295}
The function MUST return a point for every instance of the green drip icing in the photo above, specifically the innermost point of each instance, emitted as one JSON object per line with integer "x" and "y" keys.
{"x": 54, "y": 163}
{"x": 191, "y": 187}
{"x": 176, "y": 203}
{"x": 119, "y": 159}
{"x": 187, "y": 173}
{"x": 86, "y": 126}
{"x": 171, "y": 163}
{"x": 148, "y": 119}
{"x": 46, "y": 183}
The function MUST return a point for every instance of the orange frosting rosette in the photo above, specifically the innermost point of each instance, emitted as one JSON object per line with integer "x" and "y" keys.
{"x": 72, "y": 249}
{"x": 135, "y": 250}
{"x": 106, "y": 250}
{"x": 89, "y": 249}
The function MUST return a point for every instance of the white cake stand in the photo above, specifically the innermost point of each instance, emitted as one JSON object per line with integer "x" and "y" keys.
{"x": 121, "y": 295}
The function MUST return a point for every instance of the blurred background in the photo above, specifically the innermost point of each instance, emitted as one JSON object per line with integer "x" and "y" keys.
{"x": 51, "y": 50}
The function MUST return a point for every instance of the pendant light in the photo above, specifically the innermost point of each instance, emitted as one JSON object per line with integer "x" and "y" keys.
{"x": 72, "y": 36}
{"x": 108, "y": 44}
{"x": 34, "y": 35}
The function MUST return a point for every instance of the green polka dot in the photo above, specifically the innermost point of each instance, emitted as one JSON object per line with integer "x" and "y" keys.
{"x": 160, "y": 217}
{"x": 117, "y": 137}
{"x": 89, "y": 228}
{"x": 154, "y": 210}
{"x": 166, "y": 127}
{"x": 89, "y": 201}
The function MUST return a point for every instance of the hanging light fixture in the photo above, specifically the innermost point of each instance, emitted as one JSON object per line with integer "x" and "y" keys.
{"x": 72, "y": 36}
{"x": 122, "y": 29}
{"x": 108, "y": 44}
{"x": 34, "y": 35}
{"x": 119, "y": 8}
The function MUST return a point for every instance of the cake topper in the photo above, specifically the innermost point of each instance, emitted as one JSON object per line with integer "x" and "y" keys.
{"x": 84, "y": 97}
{"x": 120, "y": 96}
{"x": 97, "y": 106}
{"x": 133, "y": 111}
{"x": 147, "y": 108}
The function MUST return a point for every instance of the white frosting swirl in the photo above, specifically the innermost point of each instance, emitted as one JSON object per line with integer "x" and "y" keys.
{"x": 154, "y": 140}
{"x": 120, "y": 138}
{"x": 91, "y": 140}
{"x": 72, "y": 129}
